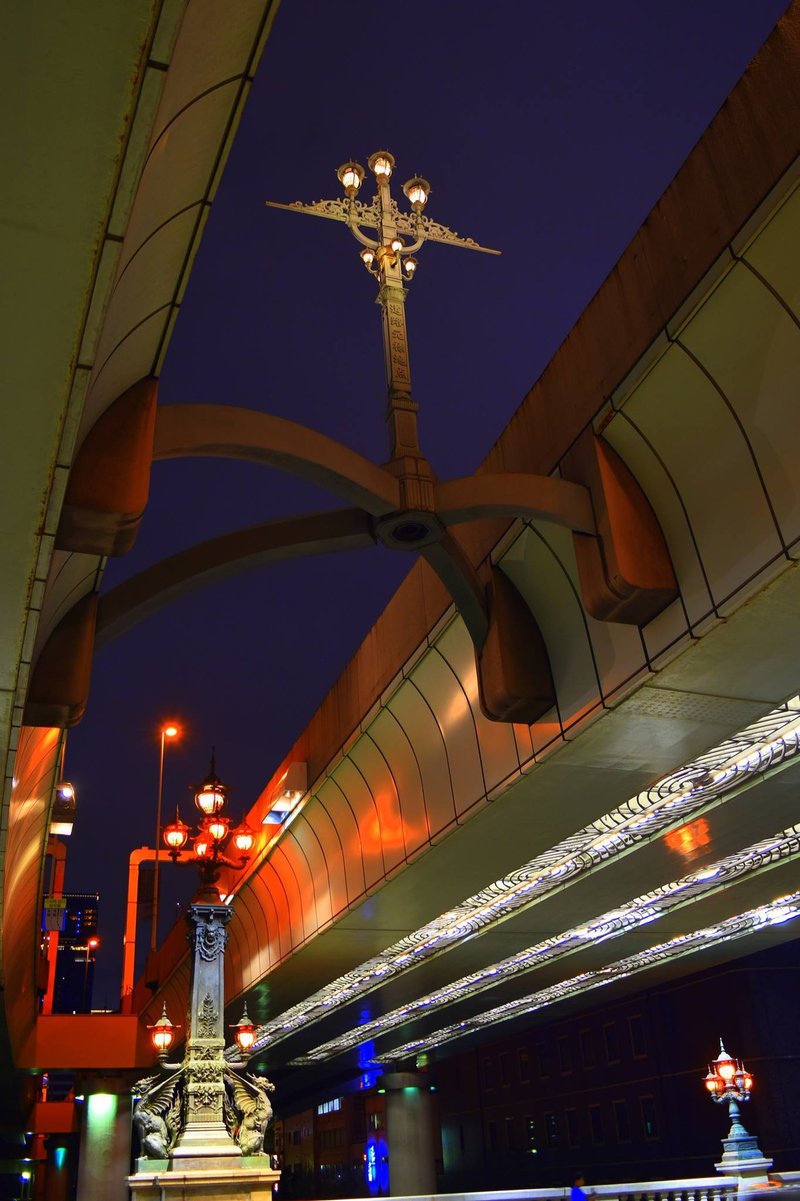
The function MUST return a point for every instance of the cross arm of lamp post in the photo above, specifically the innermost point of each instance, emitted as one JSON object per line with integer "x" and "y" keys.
{"x": 357, "y": 215}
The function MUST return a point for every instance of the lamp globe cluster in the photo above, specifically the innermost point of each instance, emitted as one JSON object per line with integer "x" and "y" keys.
{"x": 211, "y": 799}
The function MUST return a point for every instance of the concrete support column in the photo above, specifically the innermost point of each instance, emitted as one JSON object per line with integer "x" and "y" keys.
{"x": 409, "y": 1134}
{"x": 105, "y": 1148}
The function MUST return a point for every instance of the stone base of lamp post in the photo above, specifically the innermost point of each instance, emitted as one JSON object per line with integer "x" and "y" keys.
{"x": 248, "y": 1178}
{"x": 744, "y": 1158}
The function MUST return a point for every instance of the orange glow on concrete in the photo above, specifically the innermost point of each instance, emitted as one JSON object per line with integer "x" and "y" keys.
{"x": 689, "y": 839}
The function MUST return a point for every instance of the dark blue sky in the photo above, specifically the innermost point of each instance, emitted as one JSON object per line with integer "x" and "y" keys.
{"x": 548, "y": 130}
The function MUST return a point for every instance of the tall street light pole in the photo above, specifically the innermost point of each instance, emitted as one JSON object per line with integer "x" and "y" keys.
{"x": 170, "y": 730}
{"x": 389, "y": 257}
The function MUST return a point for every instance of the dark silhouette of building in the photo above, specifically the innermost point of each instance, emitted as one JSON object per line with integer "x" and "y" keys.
{"x": 76, "y": 957}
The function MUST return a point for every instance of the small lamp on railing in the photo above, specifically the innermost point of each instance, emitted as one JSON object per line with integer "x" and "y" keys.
{"x": 163, "y": 1035}
{"x": 244, "y": 1032}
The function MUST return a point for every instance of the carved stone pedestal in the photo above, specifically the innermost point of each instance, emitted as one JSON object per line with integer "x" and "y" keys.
{"x": 250, "y": 1178}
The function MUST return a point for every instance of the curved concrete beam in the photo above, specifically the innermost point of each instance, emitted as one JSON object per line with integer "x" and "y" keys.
{"x": 225, "y": 431}
{"x": 313, "y": 534}
{"x": 460, "y": 579}
{"x": 516, "y": 494}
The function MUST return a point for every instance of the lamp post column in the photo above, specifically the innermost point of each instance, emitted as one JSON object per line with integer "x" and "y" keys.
{"x": 205, "y": 1133}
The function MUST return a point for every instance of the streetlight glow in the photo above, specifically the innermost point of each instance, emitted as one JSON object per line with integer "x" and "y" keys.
{"x": 170, "y": 730}
{"x": 244, "y": 1031}
{"x": 382, "y": 163}
{"x": 163, "y": 1034}
{"x": 243, "y": 838}
{"x": 728, "y": 1082}
{"x": 351, "y": 177}
{"x": 417, "y": 191}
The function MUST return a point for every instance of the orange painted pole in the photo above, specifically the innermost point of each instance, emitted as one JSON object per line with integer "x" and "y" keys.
{"x": 58, "y": 850}
{"x": 141, "y": 855}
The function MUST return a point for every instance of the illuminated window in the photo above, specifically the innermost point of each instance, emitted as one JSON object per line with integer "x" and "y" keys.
{"x": 330, "y": 1106}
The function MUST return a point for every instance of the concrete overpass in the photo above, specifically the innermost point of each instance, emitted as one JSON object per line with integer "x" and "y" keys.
{"x": 445, "y": 870}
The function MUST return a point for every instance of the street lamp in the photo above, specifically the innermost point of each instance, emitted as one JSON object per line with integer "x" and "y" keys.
{"x": 389, "y": 257}
{"x": 729, "y": 1082}
{"x": 207, "y": 1110}
{"x": 214, "y": 835}
{"x": 91, "y": 945}
{"x": 163, "y": 1034}
{"x": 244, "y": 1031}
{"x": 169, "y": 731}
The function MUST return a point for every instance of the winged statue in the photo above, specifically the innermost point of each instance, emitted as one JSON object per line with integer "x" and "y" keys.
{"x": 252, "y": 1106}
{"x": 158, "y": 1113}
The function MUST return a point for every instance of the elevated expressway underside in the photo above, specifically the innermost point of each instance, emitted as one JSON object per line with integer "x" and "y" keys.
{"x": 444, "y": 873}
{"x": 652, "y": 801}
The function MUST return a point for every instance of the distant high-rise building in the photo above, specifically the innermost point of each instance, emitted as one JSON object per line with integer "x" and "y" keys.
{"x": 76, "y": 958}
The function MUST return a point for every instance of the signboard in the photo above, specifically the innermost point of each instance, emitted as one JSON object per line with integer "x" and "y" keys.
{"x": 54, "y": 915}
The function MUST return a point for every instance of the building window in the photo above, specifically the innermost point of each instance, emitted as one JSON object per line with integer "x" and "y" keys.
{"x": 647, "y": 1106}
{"x": 488, "y": 1074}
{"x": 587, "y": 1048}
{"x": 524, "y": 1067}
{"x": 375, "y": 1120}
{"x": 564, "y": 1057}
{"x": 505, "y": 1076}
{"x": 611, "y": 1042}
{"x": 551, "y": 1129}
{"x": 530, "y": 1136}
{"x": 543, "y": 1059}
{"x": 572, "y": 1127}
{"x": 621, "y": 1122}
{"x": 493, "y": 1143}
{"x": 636, "y": 1031}
{"x": 596, "y": 1124}
{"x": 511, "y": 1134}
{"x": 330, "y": 1106}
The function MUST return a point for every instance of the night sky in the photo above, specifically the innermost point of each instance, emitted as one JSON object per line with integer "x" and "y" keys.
{"x": 548, "y": 130}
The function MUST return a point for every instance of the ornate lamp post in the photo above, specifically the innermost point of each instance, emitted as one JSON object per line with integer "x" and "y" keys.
{"x": 728, "y": 1081}
{"x": 214, "y": 833}
{"x": 205, "y": 1117}
{"x": 389, "y": 256}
